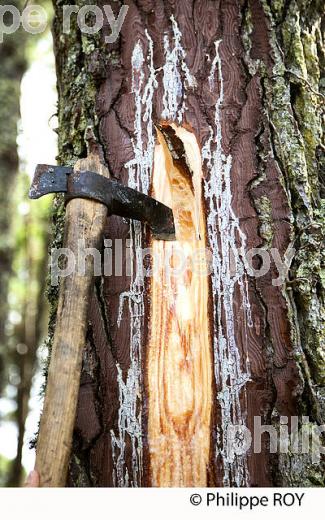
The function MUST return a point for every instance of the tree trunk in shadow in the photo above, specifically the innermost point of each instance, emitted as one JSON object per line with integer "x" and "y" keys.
{"x": 13, "y": 66}
{"x": 28, "y": 336}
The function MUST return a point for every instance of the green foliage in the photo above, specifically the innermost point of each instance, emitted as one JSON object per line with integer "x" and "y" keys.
{"x": 4, "y": 466}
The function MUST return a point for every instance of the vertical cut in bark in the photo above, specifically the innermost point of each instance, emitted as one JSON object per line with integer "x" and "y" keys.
{"x": 179, "y": 356}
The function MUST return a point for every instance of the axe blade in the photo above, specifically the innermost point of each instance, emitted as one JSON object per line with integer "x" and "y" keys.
{"x": 49, "y": 179}
{"x": 120, "y": 200}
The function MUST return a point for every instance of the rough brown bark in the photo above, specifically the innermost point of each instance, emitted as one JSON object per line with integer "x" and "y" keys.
{"x": 244, "y": 78}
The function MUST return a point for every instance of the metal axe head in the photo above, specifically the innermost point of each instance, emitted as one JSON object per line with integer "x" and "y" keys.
{"x": 120, "y": 200}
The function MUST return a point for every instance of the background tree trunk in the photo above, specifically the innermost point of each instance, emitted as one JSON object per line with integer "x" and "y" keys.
{"x": 13, "y": 66}
{"x": 24, "y": 239}
{"x": 243, "y": 79}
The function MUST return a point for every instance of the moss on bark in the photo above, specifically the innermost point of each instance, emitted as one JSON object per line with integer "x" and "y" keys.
{"x": 293, "y": 100}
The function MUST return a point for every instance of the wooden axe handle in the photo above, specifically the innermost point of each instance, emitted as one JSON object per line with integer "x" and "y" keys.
{"x": 85, "y": 220}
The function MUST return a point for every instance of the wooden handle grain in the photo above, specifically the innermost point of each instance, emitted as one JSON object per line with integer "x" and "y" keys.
{"x": 85, "y": 221}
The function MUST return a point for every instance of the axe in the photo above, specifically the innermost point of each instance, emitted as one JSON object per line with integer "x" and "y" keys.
{"x": 90, "y": 196}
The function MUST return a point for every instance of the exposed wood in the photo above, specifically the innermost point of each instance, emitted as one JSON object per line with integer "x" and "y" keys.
{"x": 85, "y": 221}
{"x": 179, "y": 368}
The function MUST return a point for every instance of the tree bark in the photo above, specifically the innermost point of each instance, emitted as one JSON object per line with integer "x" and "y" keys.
{"x": 225, "y": 98}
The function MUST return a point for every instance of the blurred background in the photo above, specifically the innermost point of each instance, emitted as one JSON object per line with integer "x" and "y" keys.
{"x": 27, "y": 137}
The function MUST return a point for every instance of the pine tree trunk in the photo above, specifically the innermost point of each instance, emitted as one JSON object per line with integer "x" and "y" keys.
{"x": 214, "y": 108}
